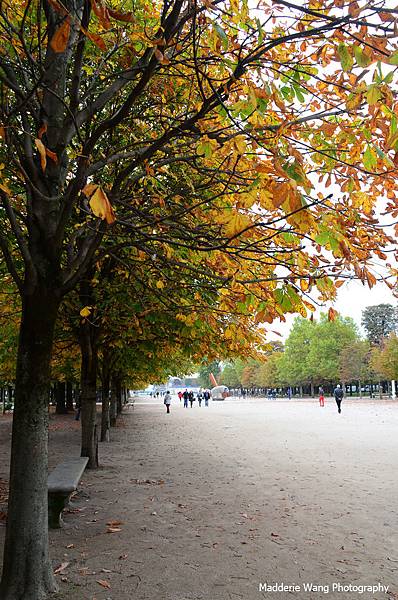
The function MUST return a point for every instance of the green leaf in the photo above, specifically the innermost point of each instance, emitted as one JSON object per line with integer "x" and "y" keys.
{"x": 222, "y": 35}
{"x": 345, "y": 57}
{"x": 393, "y": 60}
{"x": 360, "y": 57}
{"x": 373, "y": 94}
{"x": 369, "y": 159}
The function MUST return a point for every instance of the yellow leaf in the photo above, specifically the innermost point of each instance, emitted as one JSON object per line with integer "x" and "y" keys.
{"x": 236, "y": 223}
{"x": 101, "y": 206}
{"x": 42, "y": 150}
{"x": 59, "y": 41}
{"x": 160, "y": 284}
{"x": 86, "y": 311}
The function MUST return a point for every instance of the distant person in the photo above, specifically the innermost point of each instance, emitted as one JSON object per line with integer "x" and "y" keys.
{"x": 180, "y": 395}
{"x": 191, "y": 397}
{"x": 78, "y": 405}
{"x": 338, "y": 395}
{"x": 186, "y": 397}
{"x": 200, "y": 399}
{"x": 167, "y": 401}
{"x": 289, "y": 393}
{"x": 321, "y": 397}
{"x": 206, "y": 396}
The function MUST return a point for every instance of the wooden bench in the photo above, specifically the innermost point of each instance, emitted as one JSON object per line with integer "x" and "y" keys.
{"x": 61, "y": 483}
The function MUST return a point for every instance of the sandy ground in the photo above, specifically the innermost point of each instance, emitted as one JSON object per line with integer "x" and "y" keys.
{"x": 207, "y": 503}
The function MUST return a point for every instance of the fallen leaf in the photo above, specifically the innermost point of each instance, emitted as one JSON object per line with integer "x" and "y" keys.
{"x": 114, "y": 523}
{"x": 104, "y": 583}
{"x": 113, "y": 530}
{"x": 61, "y": 568}
{"x": 70, "y": 546}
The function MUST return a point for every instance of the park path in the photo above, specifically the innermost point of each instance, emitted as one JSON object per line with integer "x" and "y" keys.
{"x": 207, "y": 503}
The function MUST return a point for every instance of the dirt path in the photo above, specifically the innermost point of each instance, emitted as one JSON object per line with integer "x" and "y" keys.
{"x": 207, "y": 503}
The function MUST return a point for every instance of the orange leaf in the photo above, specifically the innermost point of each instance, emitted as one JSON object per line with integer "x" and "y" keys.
{"x": 96, "y": 39}
{"x": 42, "y": 150}
{"x": 101, "y": 206}
{"x": 104, "y": 583}
{"x": 52, "y": 155}
{"x": 42, "y": 131}
{"x": 126, "y": 17}
{"x": 332, "y": 314}
{"x": 2, "y": 132}
{"x": 102, "y": 13}
{"x": 89, "y": 189}
{"x": 60, "y": 38}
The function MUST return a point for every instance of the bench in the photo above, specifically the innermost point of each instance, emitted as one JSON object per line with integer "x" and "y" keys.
{"x": 61, "y": 483}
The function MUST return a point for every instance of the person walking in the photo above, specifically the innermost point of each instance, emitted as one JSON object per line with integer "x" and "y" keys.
{"x": 206, "y": 396}
{"x": 185, "y": 396}
{"x": 167, "y": 401}
{"x": 200, "y": 398}
{"x": 180, "y": 395}
{"x": 338, "y": 396}
{"x": 321, "y": 397}
{"x": 191, "y": 396}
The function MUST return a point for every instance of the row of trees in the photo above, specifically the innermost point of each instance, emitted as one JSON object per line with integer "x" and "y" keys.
{"x": 163, "y": 167}
{"x": 323, "y": 353}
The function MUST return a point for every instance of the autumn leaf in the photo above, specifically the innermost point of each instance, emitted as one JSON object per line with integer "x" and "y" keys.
{"x": 104, "y": 583}
{"x": 99, "y": 203}
{"x": 95, "y": 38}
{"x": 43, "y": 155}
{"x": 86, "y": 311}
{"x": 126, "y": 17}
{"x": 236, "y": 223}
{"x": 332, "y": 314}
{"x": 42, "y": 131}
{"x": 101, "y": 11}
{"x": 59, "y": 41}
{"x": 61, "y": 568}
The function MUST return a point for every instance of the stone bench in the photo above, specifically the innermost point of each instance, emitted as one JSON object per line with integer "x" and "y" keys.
{"x": 61, "y": 483}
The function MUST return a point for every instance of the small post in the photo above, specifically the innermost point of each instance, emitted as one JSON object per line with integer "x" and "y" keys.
{"x": 393, "y": 394}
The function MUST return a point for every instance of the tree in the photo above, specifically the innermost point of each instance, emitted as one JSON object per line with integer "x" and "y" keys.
{"x": 206, "y": 369}
{"x": 384, "y": 359}
{"x": 96, "y": 106}
{"x": 354, "y": 362}
{"x": 379, "y": 321}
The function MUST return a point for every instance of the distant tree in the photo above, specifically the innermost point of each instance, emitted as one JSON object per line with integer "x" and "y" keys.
{"x": 328, "y": 343}
{"x": 384, "y": 359}
{"x": 294, "y": 367}
{"x": 268, "y": 372}
{"x": 206, "y": 369}
{"x": 230, "y": 376}
{"x": 354, "y": 361}
{"x": 379, "y": 321}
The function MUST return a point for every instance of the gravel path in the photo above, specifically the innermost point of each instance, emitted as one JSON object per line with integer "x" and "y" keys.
{"x": 209, "y": 503}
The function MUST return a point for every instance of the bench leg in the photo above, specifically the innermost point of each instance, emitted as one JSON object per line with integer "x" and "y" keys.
{"x": 56, "y": 504}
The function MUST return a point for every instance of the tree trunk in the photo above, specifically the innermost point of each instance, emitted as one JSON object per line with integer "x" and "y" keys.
{"x": 119, "y": 407}
{"x": 27, "y": 572}
{"x": 69, "y": 396}
{"x": 60, "y": 398}
{"x": 360, "y": 388}
{"x": 312, "y": 389}
{"x": 113, "y": 406}
{"x": 89, "y": 394}
{"x": 105, "y": 419}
